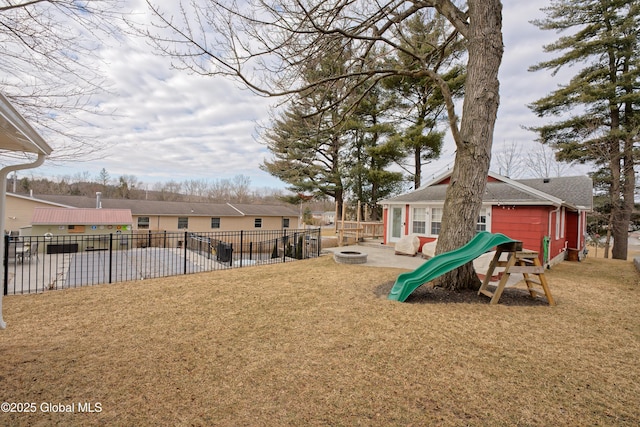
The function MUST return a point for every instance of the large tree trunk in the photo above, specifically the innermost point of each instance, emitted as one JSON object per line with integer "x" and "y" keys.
{"x": 468, "y": 180}
{"x": 625, "y": 204}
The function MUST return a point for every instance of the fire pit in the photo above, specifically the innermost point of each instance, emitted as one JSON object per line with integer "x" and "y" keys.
{"x": 350, "y": 257}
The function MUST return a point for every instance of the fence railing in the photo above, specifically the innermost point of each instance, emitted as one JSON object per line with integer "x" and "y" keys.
{"x": 39, "y": 263}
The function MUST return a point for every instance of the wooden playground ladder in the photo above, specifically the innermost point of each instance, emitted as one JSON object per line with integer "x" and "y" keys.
{"x": 519, "y": 261}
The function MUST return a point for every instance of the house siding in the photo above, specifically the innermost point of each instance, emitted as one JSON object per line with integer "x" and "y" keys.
{"x": 19, "y": 212}
{"x": 525, "y": 223}
{"x": 572, "y": 230}
{"x": 202, "y": 224}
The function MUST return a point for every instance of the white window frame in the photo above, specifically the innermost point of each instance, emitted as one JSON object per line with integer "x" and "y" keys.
{"x": 560, "y": 215}
{"x": 487, "y": 218}
{"x": 424, "y": 220}
{"x": 433, "y": 218}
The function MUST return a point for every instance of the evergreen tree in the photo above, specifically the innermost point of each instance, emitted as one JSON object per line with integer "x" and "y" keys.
{"x": 419, "y": 104}
{"x": 597, "y": 110}
{"x": 308, "y": 140}
{"x": 370, "y": 153}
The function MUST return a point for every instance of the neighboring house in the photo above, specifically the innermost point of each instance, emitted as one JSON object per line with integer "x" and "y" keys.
{"x": 168, "y": 216}
{"x": 19, "y": 211}
{"x": 78, "y": 221}
{"x": 89, "y": 227}
{"x": 530, "y": 210}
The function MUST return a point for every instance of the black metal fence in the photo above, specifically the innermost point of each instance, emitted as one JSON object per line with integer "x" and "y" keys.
{"x": 39, "y": 263}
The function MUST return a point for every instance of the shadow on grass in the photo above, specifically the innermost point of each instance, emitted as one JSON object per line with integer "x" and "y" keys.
{"x": 428, "y": 294}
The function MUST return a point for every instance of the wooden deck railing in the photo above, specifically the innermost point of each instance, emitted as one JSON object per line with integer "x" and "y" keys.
{"x": 359, "y": 230}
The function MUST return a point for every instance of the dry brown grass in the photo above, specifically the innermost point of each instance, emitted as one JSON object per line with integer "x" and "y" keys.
{"x": 310, "y": 343}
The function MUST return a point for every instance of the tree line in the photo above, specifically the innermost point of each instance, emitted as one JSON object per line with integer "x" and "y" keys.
{"x": 235, "y": 190}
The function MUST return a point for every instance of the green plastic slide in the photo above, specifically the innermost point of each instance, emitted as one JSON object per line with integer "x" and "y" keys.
{"x": 443, "y": 263}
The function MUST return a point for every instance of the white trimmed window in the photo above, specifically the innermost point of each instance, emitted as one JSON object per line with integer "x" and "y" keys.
{"x": 482, "y": 220}
{"x": 419, "y": 220}
{"x": 436, "y": 221}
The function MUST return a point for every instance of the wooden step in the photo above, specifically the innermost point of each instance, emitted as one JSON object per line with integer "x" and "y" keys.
{"x": 486, "y": 292}
{"x": 528, "y": 269}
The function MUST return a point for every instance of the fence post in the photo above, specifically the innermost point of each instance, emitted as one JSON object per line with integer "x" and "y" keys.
{"x": 241, "y": 247}
{"x": 5, "y": 263}
{"x": 185, "y": 251}
{"x": 285, "y": 240}
{"x": 110, "y": 254}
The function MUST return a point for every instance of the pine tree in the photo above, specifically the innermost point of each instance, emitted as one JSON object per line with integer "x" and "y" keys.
{"x": 418, "y": 101}
{"x": 597, "y": 110}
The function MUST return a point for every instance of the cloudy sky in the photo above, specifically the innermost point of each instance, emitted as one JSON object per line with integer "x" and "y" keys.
{"x": 169, "y": 125}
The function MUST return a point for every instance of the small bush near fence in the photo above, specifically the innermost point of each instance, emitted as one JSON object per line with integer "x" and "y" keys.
{"x": 39, "y": 263}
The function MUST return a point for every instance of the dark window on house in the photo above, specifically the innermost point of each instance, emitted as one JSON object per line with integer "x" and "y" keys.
{"x": 215, "y": 222}
{"x": 257, "y": 223}
{"x": 183, "y": 222}
{"x": 285, "y": 222}
{"x": 143, "y": 222}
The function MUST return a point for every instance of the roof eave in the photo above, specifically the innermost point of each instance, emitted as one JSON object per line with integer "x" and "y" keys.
{"x": 24, "y": 137}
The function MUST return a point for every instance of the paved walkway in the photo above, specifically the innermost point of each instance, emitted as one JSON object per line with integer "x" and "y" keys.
{"x": 384, "y": 256}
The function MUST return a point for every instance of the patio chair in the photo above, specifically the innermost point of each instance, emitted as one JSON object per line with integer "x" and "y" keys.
{"x": 31, "y": 253}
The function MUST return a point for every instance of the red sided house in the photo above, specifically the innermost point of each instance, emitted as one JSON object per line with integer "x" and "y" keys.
{"x": 548, "y": 215}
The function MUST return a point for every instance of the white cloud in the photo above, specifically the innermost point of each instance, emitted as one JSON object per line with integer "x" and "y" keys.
{"x": 170, "y": 125}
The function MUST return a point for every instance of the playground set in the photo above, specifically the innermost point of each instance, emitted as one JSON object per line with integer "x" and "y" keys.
{"x": 518, "y": 261}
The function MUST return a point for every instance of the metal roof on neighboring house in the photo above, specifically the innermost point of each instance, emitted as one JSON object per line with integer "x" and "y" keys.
{"x": 80, "y": 216}
{"x": 575, "y": 192}
{"x": 164, "y": 208}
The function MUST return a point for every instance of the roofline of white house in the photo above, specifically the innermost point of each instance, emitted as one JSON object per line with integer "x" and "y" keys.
{"x": 29, "y": 139}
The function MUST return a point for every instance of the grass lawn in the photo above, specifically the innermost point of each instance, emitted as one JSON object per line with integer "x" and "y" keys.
{"x": 314, "y": 343}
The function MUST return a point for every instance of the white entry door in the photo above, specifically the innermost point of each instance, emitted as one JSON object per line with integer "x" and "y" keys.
{"x": 396, "y": 223}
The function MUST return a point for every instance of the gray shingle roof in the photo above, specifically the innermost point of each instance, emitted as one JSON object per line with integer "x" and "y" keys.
{"x": 575, "y": 191}
{"x": 162, "y": 208}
